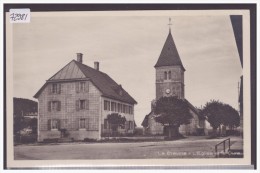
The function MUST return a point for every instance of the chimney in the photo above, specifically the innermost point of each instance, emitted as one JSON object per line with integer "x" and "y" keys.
{"x": 96, "y": 65}
{"x": 79, "y": 57}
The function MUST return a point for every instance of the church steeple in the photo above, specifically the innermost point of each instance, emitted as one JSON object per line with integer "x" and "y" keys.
{"x": 169, "y": 55}
{"x": 169, "y": 71}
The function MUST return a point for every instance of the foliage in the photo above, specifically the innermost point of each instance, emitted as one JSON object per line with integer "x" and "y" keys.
{"x": 172, "y": 111}
{"x": 115, "y": 120}
{"x": 21, "y": 108}
{"x": 213, "y": 110}
{"x": 231, "y": 117}
{"x": 33, "y": 124}
{"x": 219, "y": 113}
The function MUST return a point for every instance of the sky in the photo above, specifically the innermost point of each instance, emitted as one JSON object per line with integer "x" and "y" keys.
{"x": 127, "y": 48}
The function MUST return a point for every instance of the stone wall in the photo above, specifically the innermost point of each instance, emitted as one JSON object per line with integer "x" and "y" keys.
{"x": 175, "y": 83}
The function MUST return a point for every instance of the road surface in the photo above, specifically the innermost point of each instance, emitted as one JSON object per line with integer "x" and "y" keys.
{"x": 191, "y": 147}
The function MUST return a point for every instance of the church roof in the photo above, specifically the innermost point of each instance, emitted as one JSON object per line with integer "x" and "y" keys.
{"x": 78, "y": 71}
{"x": 169, "y": 55}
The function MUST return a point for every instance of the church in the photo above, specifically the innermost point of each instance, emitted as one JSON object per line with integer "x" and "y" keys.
{"x": 170, "y": 82}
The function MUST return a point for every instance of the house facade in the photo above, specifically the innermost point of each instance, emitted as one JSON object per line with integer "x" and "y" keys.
{"x": 74, "y": 103}
{"x": 170, "y": 82}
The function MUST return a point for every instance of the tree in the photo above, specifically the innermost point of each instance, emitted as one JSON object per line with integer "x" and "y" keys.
{"x": 231, "y": 118}
{"x": 115, "y": 120}
{"x": 218, "y": 113}
{"x": 172, "y": 112}
{"x": 33, "y": 125}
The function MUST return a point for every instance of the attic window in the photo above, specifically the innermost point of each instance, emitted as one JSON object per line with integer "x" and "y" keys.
{"x": 55, "y": 88}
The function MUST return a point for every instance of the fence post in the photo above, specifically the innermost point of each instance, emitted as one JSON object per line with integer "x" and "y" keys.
{"x": 216, "y": 150}
{"x": 224, "y": 146}
{"x": 228, "y": 143}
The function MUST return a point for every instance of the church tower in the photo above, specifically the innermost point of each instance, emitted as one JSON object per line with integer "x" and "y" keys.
{"x": 169, "y": 71}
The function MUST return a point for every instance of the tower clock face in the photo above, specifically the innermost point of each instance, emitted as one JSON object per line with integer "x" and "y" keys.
{"x": 167, "y": 91}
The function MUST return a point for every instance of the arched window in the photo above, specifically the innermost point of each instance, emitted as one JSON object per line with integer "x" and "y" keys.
{"x": 170, "y": 75}
{"x": 165, "y": 75}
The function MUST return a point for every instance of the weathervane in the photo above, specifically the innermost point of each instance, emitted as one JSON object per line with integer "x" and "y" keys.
{"x": 170, "y": 23}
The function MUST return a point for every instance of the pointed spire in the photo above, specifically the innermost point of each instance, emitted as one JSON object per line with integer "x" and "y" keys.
{"x": 169, "y": 55}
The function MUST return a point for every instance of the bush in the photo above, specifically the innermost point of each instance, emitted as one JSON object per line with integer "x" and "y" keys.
{"x": 90, "y": 140}
{"x": 50, "y": 140}
{"x": 25, "y": 139}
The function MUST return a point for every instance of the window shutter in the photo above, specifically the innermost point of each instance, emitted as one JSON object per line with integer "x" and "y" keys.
{"x": 76, "y": 123}
{"x": 87, "y": 123}
{"x": 86, "y": 89}
{"x": 49, "y": 106}
{"x": 77, "y": 87}
{"x": 58, "y": 124}
{"x": 77, "y": 105}
{"x": 50, "y": 88}
{"x": 59, "y": 106}
{"x": 49, "y": 124}
{"x": 59, "y": 88}
{"x": 87, "y": 104}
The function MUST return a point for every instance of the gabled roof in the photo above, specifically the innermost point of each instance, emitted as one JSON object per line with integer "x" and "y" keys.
{"x": 169, "y": 55}
{"x": 107, "y": 86}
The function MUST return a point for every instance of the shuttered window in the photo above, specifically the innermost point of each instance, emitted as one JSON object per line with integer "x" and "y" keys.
{"x": 55, "y": 88}
{"x": 82, "y": 86}
{"x": 54, "y": 106}
{"x": 82, "y": 105}
{"x": 53, "y": 124}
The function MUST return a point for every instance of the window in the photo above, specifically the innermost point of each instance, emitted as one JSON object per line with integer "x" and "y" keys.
{"x": 82, "y": 123}
{"x": 124, "y": 110}
{"x": 106, "y": 105}
{"x": 165, "y": 75}
{"x": 106, "y": 124}
{"x": 169, "y": 75}
{"x": 119, "y": 107}
{"x": 130, "y": 110}
{"x": 82, "y": 86}
{"x": 54, "y": 124}
{"x": 82, "y": 105}
{"x": 55, "y": 88}
{"x": 54, "y": 106}
{"x": 113, "y": 106}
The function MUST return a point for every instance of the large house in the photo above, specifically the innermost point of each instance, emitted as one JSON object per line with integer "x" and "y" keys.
{"x": 170, "y": 82}
{"x": 74, "y": 103}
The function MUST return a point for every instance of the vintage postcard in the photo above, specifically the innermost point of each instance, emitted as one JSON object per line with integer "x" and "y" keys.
{"x": 128, "y": 88}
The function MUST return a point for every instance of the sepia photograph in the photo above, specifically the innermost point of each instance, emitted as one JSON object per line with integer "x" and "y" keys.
{"x": 115, "y": 87}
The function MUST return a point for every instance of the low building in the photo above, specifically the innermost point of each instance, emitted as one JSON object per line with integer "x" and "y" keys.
{"x": 74, "y": 103}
